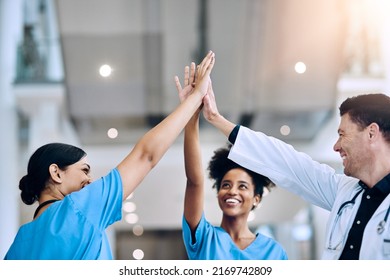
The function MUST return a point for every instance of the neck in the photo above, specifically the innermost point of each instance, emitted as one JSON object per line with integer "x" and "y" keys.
{"x": 236, "y": 227}
{"x": 50, "y": 193}
{"x": 376, "y": 172}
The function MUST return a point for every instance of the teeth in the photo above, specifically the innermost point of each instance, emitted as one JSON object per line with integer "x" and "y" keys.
{"x": 232, "y": 200}
{"x": 343, "y": 157}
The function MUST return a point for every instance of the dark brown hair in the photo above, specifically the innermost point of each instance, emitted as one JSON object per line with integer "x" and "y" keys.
{"x": 34, "y": 182}
{"x": 369, "y": 108}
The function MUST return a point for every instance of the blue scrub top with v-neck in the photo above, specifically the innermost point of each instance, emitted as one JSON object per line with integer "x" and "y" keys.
{"x": 214, "y": 243}
{"x": 74, "y": 227}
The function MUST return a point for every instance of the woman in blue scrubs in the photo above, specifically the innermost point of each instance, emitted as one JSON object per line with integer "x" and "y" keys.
{"x": 239, "y": 191}
{"x": 73, "y": 211}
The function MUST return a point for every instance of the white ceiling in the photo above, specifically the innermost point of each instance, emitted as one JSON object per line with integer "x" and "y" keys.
{"x": 147, "y": 42}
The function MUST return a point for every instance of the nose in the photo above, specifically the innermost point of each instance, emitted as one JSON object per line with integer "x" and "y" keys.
{"x": 232, "y": 190}
{"x": 336, "y": 146}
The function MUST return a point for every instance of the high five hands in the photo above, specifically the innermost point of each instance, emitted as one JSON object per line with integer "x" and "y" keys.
{"x": 194, "y": 79}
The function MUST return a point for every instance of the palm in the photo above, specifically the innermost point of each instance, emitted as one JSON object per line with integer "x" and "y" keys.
{"x": 209, "y": 105}
{"x": 185, "y": 92}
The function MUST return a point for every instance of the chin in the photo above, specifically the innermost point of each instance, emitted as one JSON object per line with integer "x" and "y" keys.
{"x": 349, "y": 173}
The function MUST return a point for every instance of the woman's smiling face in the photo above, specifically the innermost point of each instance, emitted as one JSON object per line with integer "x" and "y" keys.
{"x": 75, "y": 176}
{"x": 236, "y": 195}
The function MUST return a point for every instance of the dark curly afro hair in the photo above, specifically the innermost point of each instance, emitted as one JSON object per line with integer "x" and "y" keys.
{"x": 219, "y": 165}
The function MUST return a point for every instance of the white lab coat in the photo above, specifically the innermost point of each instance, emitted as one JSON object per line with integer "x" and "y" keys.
{"x": 316, "y": 183}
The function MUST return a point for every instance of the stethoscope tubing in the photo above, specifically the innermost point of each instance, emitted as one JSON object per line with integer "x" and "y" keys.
{"x": 381, "y": 225}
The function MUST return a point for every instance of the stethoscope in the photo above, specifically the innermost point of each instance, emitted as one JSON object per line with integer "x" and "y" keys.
{"x": 333, "y": 245}
{"x": 381, "y": 226}
{"x": 352, "y": 202}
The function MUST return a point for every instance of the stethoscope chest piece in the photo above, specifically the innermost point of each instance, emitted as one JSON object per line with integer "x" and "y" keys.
{"x": 381, "y": 227}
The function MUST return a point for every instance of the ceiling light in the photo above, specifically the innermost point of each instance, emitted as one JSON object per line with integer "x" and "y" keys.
{"x": 105, "y": 70}
{"x": 285, "y": 130}
{"x": 138, "y": 254}
{"x": 129, "y": 206}
{"x": 131, "y": 218}
{"x": 112, "y": 133}
{"x": 138, "y": 230}
{"x": 300, "y": 67}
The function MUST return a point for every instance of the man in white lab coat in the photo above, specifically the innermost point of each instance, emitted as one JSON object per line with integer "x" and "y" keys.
{"x": 359, "y": 200}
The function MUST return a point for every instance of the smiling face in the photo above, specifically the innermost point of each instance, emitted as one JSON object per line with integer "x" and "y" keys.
{"x": 236, "y": 196}
{"x": 75, "y": 177}
{"x": 353, "y": 146}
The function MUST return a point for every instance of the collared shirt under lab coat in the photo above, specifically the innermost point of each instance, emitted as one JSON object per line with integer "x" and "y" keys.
{"x": 318, "y": 184}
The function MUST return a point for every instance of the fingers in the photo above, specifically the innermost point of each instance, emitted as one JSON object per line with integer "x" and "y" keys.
{"x": 210, "y": 109}
{"x": 207, "y": 58}
{"x": 196, "y": 76}
{"x": 205, "y": 67}
{"x": 192, "y": 73}
{"x": 186, "y": 75}
{"x": 178, "y": 85}
{"x": 211, "y": 62}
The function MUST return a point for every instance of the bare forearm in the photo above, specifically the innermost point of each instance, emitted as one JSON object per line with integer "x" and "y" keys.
{"x": 157, "y": 140}
{"x": 224, "y": 125}
{"x": 193, "y": 199}
{"x": 192, "y": 153}
{"x": 152, "y": 146}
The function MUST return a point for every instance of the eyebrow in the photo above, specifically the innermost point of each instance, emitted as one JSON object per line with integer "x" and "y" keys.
{"x": 244, "y": 182}
{"x": 230, "y": 181}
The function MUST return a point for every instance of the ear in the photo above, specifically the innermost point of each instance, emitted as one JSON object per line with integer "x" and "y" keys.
{"x": 256, "y": 201}
{"x": 373, "y": 131}
{"x": 54, "y": 171}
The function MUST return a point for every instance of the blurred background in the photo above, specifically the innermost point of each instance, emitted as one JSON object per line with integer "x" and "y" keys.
{"x": 99, "y": 74}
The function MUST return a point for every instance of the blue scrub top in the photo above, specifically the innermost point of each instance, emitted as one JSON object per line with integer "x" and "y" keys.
{"x": 74, "y": 227}
{"x": 214, "y": 243}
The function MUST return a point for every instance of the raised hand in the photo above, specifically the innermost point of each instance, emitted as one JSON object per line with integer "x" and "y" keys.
{"x": 196, "y": 79}
{"x": 212, "y": 115}
{"x": 210, "y": 110}
{"x": 203, "y": 71}
{"x": 189, "y": 82}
